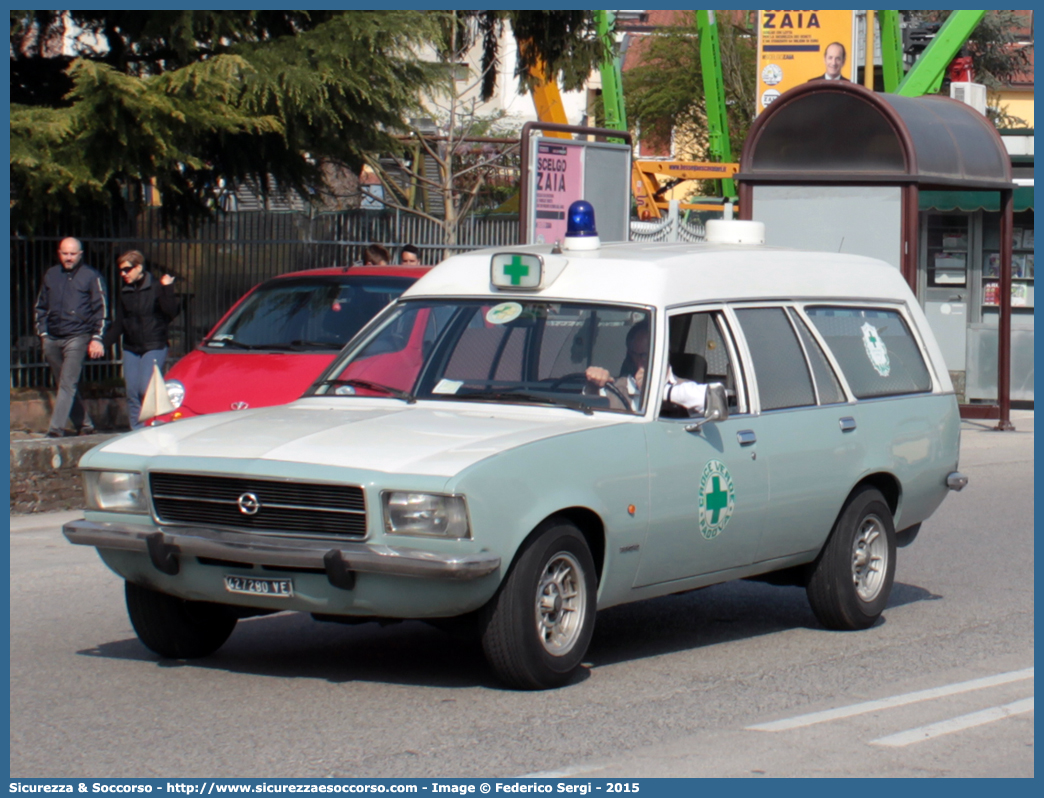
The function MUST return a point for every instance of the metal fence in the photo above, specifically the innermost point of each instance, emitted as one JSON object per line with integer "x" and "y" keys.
{"x": 219, "y": 260}
{"x": 671, "y": 228}
{"x": 216, "y": 263}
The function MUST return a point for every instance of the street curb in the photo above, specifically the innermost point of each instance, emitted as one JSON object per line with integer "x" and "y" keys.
{"x": 45, "y": 476}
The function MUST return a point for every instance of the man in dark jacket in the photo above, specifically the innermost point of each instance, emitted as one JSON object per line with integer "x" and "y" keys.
{"x": 70, "y": 320}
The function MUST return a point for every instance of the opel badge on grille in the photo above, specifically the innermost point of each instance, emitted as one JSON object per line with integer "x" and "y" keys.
{"x": 249, "y": 504}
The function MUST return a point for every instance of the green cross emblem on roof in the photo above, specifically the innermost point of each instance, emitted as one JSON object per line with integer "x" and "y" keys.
{"x": 516, "y": 270}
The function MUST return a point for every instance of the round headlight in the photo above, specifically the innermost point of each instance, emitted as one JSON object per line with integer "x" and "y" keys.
{"x": 176, "y": 392}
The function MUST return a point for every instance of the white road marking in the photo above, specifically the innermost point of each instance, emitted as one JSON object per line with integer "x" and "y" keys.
{"x": 957, "y": 724}
{"x": 812, "y": 718}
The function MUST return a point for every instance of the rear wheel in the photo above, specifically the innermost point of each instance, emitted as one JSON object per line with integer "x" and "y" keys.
{"x": 537, "y": 628}
{"x": 852, "y": 578}
{"x": 176, "y": 628}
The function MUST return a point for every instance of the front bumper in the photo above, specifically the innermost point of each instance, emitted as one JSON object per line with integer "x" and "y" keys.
{"x": 339, "y": 559}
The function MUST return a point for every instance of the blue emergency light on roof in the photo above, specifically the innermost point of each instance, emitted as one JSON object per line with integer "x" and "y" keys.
{"x": 581, "y": 233}
{"x": 581, "y": 221}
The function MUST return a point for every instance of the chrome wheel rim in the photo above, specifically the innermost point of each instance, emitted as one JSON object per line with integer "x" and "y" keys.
{"x": 869, "y": 558}
{"x": 561, "y": 602}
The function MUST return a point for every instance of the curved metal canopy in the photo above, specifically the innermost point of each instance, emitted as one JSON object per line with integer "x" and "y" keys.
{"x": 841, "y": 132}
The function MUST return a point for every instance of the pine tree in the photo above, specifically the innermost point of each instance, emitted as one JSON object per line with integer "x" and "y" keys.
{"x": 563, "y": 45}
{"x": 191, "y": 101}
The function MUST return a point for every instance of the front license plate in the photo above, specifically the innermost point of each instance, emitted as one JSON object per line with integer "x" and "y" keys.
{"x": 259, "y": 587}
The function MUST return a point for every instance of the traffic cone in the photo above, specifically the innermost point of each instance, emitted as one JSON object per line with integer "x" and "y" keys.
{"x": 156, "y": 401}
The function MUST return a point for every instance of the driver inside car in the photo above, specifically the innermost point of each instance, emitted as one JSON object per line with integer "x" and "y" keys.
{"x": 685, "y": 393}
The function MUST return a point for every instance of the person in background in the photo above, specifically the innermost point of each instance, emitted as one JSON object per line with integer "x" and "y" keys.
{"x": 376, "y": 255}
{"x": 71, "y": 311}
{"x": 409, "y": 255}
{"x": 144, "y": 308}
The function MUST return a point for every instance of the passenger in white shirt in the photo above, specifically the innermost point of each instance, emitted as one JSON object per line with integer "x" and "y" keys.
{"x": 685, "y": 393}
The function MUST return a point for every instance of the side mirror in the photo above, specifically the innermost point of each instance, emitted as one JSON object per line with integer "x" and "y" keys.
{"x": 716, "y": 407}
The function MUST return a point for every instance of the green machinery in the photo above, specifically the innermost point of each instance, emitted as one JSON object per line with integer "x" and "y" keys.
{"x": 924, "y": 77}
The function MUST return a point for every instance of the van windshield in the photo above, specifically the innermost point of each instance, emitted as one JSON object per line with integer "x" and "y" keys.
{"x": 306, "y": 313}
{"x": 512, "y": 352}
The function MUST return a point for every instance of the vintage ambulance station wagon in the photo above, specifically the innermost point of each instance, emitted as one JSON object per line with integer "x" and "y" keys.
{"x": 529, "y": 435}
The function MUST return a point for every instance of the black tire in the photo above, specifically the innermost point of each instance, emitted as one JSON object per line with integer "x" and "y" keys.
{"x": 532, "y": 647}
{"x": 176, "y": 628}
{"x": 852, "y": 578}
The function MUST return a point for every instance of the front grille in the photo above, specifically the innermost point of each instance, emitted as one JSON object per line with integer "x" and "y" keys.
{"x": 292, "y": 507}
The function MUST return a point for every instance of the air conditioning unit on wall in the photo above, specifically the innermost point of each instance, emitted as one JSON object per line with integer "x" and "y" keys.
{"x": 973, "y": 94}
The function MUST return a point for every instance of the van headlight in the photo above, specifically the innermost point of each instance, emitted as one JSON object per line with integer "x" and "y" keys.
{"x": 115, "y": 491}
{"x": 427, "y": 514}
{"x": 176, "y": 392}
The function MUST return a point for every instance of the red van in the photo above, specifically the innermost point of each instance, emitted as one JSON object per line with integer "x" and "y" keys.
{"x": 279, "y": 337}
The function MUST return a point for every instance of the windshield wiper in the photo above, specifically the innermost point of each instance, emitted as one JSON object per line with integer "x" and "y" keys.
{"x": 522, "y": 396}
{"x": 406, "y": 396}
{"x": 231, "y": 342}
{"x": 296, "y": 346}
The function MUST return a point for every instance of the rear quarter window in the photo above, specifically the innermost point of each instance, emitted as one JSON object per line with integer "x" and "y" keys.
{"x": 779, "y": 364}
{"x": 874, "y": 348}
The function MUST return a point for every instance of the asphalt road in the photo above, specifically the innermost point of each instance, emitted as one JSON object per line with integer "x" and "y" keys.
{"x": 687, "y": 685}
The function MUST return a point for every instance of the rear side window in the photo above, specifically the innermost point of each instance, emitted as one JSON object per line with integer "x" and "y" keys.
{"x": 874, "y": 348}
{"x": 826, "y": 383}
{"x": 779, "y": 364}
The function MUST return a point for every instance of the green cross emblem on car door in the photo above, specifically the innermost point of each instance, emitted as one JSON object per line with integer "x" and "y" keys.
{"x": 717, "y": 499}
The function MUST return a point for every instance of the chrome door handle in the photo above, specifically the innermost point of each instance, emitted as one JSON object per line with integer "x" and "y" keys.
{"x": 746, "y": 437}
{"x": 847, "y": 423}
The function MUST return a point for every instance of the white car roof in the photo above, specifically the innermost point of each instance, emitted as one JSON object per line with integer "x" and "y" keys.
{"x": 662, "y": 275}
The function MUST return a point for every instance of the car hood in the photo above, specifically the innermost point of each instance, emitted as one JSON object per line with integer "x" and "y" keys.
{"x": 215, "y": 381}
{"x": 431, "y": 438}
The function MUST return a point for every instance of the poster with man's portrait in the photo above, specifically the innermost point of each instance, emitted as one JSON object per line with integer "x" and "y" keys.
{"x": 797, "y": 46}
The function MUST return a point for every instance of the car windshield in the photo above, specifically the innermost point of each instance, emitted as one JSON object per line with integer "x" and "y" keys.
{"x": 515, "y": 352}
{"x": 306, "y": 313}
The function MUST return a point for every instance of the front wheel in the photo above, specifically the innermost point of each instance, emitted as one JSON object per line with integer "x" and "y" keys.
{"x": 537, "y": 628}
{"x": 177, "y": 628}
{"x": 852, "y": 577}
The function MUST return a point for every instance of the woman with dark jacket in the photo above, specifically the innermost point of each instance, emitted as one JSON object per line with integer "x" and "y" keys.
{"x": 145, "y": 306}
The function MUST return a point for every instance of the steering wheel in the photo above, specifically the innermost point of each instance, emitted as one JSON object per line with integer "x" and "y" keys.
{"x": 575, "y": 376}
{"x": 579, "y": 376}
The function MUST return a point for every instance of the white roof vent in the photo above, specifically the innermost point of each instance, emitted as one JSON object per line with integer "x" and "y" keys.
{"x": 735, "y": 231}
